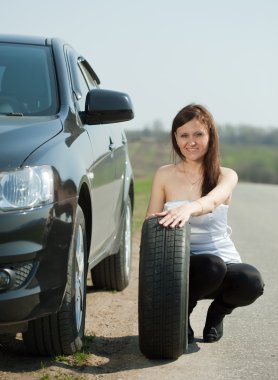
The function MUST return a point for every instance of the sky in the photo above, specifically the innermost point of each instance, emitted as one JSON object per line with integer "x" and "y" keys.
{"x": 168, "y": 53}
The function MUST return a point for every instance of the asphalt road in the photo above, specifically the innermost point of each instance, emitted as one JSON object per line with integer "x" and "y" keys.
{"x": 249, "y": 348}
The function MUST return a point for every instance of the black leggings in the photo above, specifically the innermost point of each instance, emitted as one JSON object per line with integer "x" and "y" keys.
{"x": 229, "y": 285}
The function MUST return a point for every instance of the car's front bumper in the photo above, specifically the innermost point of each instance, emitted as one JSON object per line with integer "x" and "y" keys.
{"x": 34, "y": 245}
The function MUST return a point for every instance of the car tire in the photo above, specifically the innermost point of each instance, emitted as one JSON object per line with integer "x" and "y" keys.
{"x": 62, "y": 333}
{"x": 114, "y": 272}
{"x": 163, "y": 290}
{"x": 7, "y": 341}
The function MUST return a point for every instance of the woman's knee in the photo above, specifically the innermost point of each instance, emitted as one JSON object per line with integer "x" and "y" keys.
{"x": 216, "y": 266}
{"x": 253, "y": 281}
{"x": 247, "y": 279}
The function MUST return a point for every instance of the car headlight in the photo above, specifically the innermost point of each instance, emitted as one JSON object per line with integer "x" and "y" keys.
{"x": 27, "y": 187}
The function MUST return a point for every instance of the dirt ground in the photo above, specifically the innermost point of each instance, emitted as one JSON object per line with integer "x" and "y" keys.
{"x": 112, "y": 341}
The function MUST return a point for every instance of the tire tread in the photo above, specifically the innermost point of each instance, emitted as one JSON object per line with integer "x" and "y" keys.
{"x": 163, "y": 290}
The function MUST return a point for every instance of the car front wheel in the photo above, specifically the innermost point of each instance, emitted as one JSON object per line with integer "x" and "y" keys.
{"x": 62, "y": 333}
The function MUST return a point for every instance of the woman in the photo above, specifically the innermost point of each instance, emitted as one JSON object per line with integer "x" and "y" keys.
{"x": 198, "y": 190}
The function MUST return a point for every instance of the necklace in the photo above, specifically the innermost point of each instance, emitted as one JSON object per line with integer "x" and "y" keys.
{"x": 192, "y": 184}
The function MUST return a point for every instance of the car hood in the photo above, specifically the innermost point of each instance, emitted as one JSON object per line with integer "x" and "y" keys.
{"x": 19, "y": 137}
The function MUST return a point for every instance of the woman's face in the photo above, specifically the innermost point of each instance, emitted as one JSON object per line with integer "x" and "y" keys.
{"x": 192, "y": 139}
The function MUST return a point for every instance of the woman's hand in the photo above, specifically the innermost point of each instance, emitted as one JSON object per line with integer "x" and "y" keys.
{"x": 177, "y": 216}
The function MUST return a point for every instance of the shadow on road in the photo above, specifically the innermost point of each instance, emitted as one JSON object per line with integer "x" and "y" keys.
{"x": 105, "y": 355}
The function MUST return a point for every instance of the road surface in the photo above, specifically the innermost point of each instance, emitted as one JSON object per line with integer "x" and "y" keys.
{"x": 248, "y": 350}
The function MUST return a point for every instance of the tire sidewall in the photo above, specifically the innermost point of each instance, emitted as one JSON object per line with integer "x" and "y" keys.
{"x": 126, "y": 235}
{"x": 68, "y": 305}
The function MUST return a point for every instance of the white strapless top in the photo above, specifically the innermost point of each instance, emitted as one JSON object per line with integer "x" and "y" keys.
{"x": 210, "y": 233}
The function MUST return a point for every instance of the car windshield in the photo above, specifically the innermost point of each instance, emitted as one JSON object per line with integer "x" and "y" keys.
{"x": 27, "y": 80}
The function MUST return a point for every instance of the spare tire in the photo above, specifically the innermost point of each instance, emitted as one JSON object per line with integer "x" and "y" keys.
{"x": 163, "y": 290}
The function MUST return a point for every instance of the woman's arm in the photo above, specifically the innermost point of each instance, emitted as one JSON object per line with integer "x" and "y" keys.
{"x": 220, "y": 194}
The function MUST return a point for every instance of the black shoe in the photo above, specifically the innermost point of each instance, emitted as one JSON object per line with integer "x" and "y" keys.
{"x": 212, "y": 334}
{"x": 190, "y": 334}
{"x": 213, "y": 330}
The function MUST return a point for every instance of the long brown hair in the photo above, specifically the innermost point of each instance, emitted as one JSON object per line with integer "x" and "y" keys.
{"x": 211, "y": 163}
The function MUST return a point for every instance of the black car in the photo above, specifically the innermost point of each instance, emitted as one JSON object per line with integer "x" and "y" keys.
{"x": 66, "y": 191}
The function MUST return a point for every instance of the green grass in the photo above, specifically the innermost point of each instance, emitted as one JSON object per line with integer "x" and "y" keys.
{"x": 147, "y": 156}
{"x": 61, "y": 376}
{"x": 80, "y": 358}
{"x": 256, "y": 163}
{"x": 142, "y": 194}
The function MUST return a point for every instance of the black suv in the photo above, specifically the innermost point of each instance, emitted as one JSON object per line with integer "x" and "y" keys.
{"x": 66, "y": 191}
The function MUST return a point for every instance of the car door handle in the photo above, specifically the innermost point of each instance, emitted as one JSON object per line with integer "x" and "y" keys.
{"x": 111, "y": 144}
{"x": 124, "y": 140}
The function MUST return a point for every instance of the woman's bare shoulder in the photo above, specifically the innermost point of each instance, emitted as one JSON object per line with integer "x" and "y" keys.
{"x": 229, "y": 173}
{"x": 166, "y": 169}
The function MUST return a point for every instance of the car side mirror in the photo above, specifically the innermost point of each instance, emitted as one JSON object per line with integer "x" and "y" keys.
{"x": 106, "y": 106}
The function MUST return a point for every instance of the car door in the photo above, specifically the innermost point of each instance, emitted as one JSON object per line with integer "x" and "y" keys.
{"x": 101, "y": 171}
{"x": 119, "y": 145}
{"x": 103, "y": 188}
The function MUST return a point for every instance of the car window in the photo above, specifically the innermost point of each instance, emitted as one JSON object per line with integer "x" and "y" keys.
{"x": 90, "y": 81}
{"x": 27, "y": 80}
{"x": 83, "y": 87}
{"x": 79, "y": 85}
{"x": 86, "y": 83}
